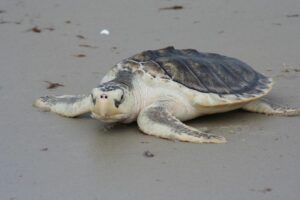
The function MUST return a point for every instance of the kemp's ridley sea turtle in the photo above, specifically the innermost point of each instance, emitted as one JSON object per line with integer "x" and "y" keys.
{"x": 161, "y": 88}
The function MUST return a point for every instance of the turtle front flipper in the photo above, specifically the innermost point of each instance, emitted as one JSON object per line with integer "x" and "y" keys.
{"x": 66, "y": 105}
{"x": 157, "y": 120}
{"x": 264, "y": 106}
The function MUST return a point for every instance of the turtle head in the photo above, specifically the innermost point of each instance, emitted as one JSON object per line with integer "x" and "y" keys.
{"x": 111, "y": 102}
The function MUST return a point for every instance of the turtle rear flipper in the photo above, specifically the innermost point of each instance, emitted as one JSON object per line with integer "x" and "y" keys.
{"x": 264, "y": 106}
{"x": 157, "y": 120}
{"x": 66, "y": 105}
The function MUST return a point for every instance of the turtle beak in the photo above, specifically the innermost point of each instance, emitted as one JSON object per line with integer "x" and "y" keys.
{"x": 100, "y": 107}
{"x": 105, "y": 111}
{"x": 105, "y": 108}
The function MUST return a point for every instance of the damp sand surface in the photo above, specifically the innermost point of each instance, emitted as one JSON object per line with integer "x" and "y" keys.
{"x": 44, "y": 156}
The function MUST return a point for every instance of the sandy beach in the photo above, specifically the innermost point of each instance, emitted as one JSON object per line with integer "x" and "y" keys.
{"x": 44, "y": 156}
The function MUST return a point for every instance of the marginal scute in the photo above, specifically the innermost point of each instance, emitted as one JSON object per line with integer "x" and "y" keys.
{"x": 172, "y": 70}
{"x": 131, "y": 65}
{"x": 153, "y": 69}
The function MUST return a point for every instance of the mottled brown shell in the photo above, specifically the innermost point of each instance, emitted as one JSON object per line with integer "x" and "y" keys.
{"x": 204, "y": 72}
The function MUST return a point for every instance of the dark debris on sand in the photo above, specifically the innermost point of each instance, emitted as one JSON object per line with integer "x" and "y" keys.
{"x": 287, "y": 70}
{"x": 52, "y": 85}
{"x": 80, "y": 37}
{"x": 79, "y": 55}
{"x": 292, "y": 15}
{"x": 148, "y": 154}
{"x": 88, "y": 46}
{"x": 44, "y": 149}
{"x": 36, "y": 29}
{"x": 175, "y": 7}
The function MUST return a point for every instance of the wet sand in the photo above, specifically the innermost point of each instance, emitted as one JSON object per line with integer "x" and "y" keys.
{"x": 45, "y": 156}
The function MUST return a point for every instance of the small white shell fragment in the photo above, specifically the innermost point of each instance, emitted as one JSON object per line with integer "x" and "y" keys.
{"x": 104, "y": 32}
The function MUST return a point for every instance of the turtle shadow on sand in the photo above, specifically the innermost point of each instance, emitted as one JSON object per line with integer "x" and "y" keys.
{"x": 224, "y": 123}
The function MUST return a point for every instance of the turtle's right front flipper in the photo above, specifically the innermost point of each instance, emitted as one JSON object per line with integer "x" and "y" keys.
{"x": 66, "y": 105}
{"x": 158, "y": 121}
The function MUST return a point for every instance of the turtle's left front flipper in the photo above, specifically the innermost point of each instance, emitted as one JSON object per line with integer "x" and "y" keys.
{"x": 157, "y": 120}
{"x": 265, "y": 106}
{"x": 66, "y": 105}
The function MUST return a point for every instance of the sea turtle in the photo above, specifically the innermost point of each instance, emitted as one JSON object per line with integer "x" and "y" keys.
{"x": 161, "y": 88}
